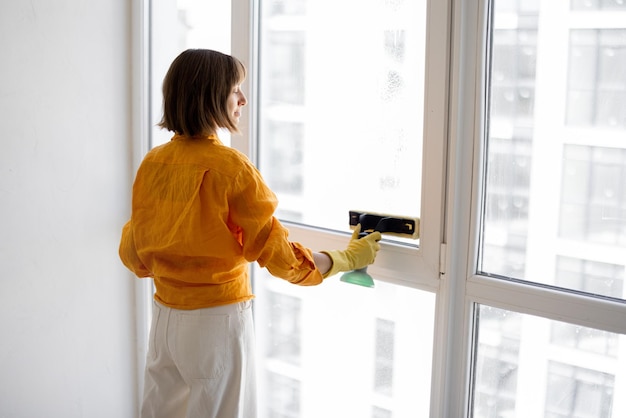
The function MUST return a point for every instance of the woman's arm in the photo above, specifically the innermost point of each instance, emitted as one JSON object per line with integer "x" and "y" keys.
{"x": 323, "y": 262}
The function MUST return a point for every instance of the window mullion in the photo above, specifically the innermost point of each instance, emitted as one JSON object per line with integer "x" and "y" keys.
{"x": 244, "y": 44}
{"x": 454, "y": 321}
{"x": 549, "y": 303}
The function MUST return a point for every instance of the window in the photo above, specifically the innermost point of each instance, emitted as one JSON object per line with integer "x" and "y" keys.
{"x": 596, "y": 91}
{"x": 176, "y": 25}
{"x": 593, "y": 392}
{"x": 340, "y": 108}
{"x": 593, "y": 199}
{"x": 383, "y": 371}
{"x": 284, "y": 335}
{"x": 341, "y": 96}
{"x": 358, "y": 349}
{"x": 284, "y": 399}
{"x": 561, "y": 371}
{"x": 553, "y": 214}
{"x": 501, "y": 125}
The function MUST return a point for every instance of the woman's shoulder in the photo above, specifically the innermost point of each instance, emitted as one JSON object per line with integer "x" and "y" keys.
{"x": 224, "y": 158}
{"x": 204, "y": 153}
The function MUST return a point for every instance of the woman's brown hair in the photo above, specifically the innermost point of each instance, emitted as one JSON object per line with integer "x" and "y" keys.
{"x": 195, "y": 90}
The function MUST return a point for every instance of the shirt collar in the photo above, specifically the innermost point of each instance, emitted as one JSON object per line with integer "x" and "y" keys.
{"x": 212, "y": 138}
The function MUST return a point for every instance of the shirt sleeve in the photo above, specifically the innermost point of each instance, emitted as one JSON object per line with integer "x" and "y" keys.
{"x": 264, "y": 238}
{"x": 128, "y": 252}
{"x": 288, "y": 260}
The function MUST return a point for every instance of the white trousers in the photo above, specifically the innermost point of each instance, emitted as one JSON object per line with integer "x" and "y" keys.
{"x": 201, "y": 363}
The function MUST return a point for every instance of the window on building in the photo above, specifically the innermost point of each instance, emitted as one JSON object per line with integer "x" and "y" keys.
{"x": 578, "y": 392}
{"x": 384, "y": 357}
{"x": 283, "y": 328}
{"x": 381, "y": 413}
{"x": 593, "y": 199}
{"x": 596, "y": 90}
{"x": 284, "y": 399}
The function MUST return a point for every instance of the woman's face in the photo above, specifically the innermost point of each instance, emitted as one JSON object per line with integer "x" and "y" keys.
{"x": 236, "y": 100}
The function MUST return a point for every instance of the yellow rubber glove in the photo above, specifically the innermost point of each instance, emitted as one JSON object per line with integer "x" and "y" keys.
{"x": 358, "y": 254}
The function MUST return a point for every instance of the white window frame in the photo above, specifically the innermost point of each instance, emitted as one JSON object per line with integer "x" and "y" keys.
{"x": 427, "y": 259}
{"x": 140, "y": 99}
{"x": 464, "y": 287}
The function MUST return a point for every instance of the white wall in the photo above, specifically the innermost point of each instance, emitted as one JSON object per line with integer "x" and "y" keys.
{"x": 67, "y": 333}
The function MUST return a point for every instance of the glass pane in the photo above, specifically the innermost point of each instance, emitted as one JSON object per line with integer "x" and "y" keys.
{"x": 555, "y": 184}
{"x": 177, "y": 25}
{"x": 341, "y": 112}
{"x": 533, "y": 367}
{"x": 340, "y": 350}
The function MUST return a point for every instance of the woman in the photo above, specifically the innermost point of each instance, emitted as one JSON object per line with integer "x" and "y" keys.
{"x": 201, "y": 213}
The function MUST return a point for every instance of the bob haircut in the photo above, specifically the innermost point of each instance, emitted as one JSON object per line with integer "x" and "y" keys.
{"x": 196, "y": 89}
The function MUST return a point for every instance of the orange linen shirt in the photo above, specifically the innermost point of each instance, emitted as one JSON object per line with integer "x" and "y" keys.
{"x": 200, "y": 214}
